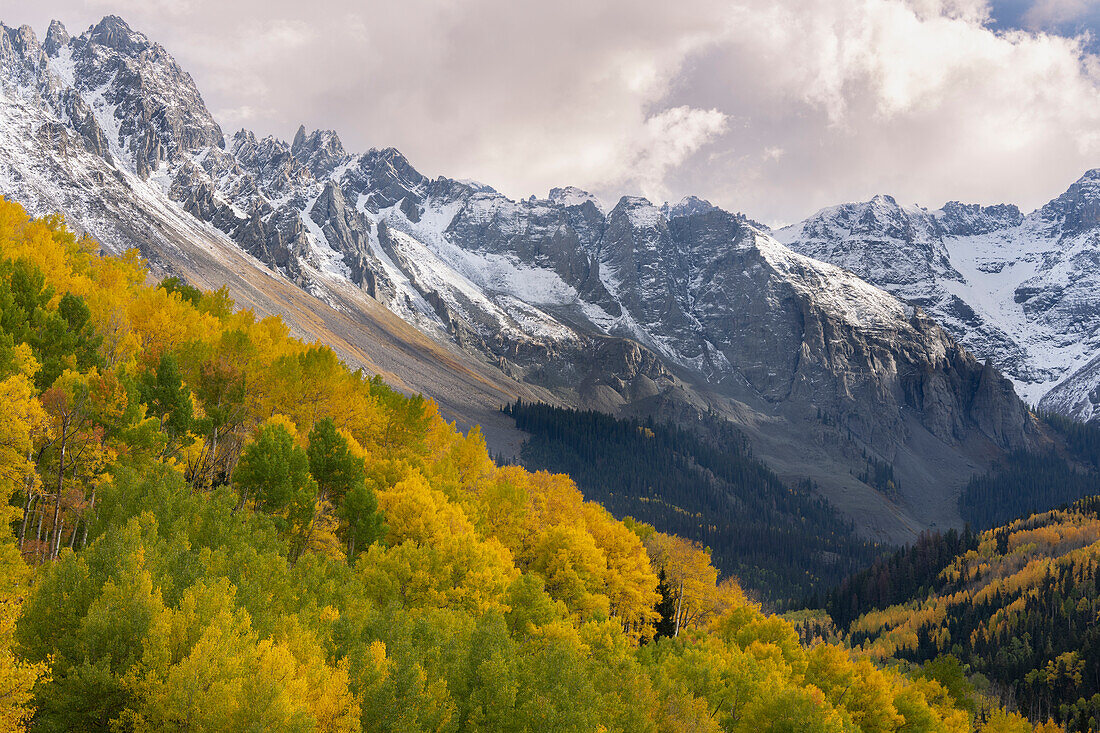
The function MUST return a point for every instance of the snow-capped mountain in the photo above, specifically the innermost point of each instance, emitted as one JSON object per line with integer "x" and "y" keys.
{"x": 1023, "y": 291}
{"x": 681, "y": 310}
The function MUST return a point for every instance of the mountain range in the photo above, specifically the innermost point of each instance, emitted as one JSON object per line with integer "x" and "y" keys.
{"x": 869, "y": 333}
{"x": 1020, "y": 290}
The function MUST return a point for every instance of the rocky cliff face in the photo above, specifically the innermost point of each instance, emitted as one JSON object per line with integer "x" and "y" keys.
{"x": 137, "y": 92}
{"x": 1023, "y": 291}
{"x": 671, "y": 309}
{"x": 722, "y": 303}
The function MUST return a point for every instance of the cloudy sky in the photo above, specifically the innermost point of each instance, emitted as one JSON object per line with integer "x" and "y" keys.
{"x": 771, "y": 108}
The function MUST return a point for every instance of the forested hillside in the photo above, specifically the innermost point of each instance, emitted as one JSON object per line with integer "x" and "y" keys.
{"x": 781, "y": 542}
{"x": 907, "y": 573}
{"x": 1018, "y": 605}
{"x": 216, "y": 527}
{"x": 1024, "y": 483}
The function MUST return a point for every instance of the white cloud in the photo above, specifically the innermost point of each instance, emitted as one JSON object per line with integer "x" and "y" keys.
{"x": 665, "y": 141}
{"x": 877, "y": 96}
{"x": 772, "y": 108}
{"x": 1052, "y": 13}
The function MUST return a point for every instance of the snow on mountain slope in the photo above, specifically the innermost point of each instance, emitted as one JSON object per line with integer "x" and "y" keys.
{"x": 1022, "y": 291}
{"x": 49, "y": 166}
{"x": 1078, "y": 394}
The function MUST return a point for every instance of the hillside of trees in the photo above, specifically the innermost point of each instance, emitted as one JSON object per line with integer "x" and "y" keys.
{"x": 212, "y": 526}
{"x": 1022, "y": 484}
{"x": 907, "y": 573}
{"x": 1017, "y": 607}
{"x": 783, "y": 543}
{"x": 1025, "y": 483}
{"x": 1082, "y": 439}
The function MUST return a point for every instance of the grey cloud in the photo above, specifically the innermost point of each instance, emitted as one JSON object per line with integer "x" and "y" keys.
{"x": 770, "y": 108}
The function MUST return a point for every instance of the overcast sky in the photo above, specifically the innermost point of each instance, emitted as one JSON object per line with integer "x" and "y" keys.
{"x": 771, "y": 108}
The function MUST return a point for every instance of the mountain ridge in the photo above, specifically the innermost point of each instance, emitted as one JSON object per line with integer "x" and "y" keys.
{"x": 675, "y": 309}
{"x": 1020, "y": 290}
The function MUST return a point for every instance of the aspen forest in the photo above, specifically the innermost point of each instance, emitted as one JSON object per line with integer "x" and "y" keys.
{"x": 213, "y": 526}
{"x": 1015, "y": 609}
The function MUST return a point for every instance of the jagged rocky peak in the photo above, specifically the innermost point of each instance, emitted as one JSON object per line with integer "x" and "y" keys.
{"x": 878, "y": 215}
{"x": 22, "y": 60}
{"x": 879, "y": 240}
{"x": 243, "y": 139}
{"x": 881, "y": 214}
{"x": 299, "y": 138}
{"x": 469, "y": 184}
{"x": 270, "y": 160}
{"x": 707, "y": 232}
{"x": 964, "y": 220}
{"x": 1078, "y": 209}
{"x": 639, "y": 211}
{"x": 392, "y": 162}
{"x": 687, "y": 206}
{"x": 572, "y": 196}
{"x": 113, "y": 32}
{"x": 321, "y": 151}
{"x": 443, "y": 190}
{"x": 23, "y": 40}
{"x": 56, "y": 38}
{"x": 18, "y": 46}
{"x": 158, "y": 112}
{"x": 387, "y": 177}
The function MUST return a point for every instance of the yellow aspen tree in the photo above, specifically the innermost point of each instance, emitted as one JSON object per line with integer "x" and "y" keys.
{"x": 23, "y": 419}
